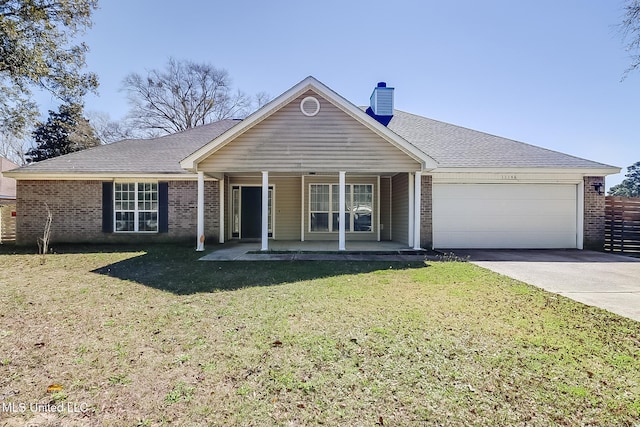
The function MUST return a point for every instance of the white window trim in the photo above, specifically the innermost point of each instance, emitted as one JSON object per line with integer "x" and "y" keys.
{"x": 348, "y": 229}
{"x": 136, "y": 212}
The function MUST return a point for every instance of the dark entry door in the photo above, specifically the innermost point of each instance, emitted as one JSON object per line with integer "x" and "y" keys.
{"x": 251, "y": 213}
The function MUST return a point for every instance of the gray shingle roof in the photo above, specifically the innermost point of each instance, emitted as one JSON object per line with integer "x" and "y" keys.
{"x": 155, "y": 156}
{"x": 458, "y": 147}
{"x": 450, "y": 145}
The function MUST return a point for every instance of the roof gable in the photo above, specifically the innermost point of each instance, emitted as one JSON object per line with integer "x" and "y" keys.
{"x": 307, "y": 87}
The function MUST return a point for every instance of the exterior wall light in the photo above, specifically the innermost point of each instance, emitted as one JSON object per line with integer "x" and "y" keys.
{"x": 597, "y": 187}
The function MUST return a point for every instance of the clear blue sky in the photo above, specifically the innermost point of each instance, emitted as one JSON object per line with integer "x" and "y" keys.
{"x": 546, "y": 72}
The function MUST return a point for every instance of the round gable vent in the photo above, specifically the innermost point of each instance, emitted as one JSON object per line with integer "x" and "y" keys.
{"x": 310, "y": 106}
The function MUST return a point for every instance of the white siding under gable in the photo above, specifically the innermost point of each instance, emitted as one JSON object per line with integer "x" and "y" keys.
{"x": 290, "y": 141}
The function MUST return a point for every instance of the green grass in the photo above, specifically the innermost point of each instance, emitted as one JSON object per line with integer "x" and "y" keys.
{"x": 155, "y": 337}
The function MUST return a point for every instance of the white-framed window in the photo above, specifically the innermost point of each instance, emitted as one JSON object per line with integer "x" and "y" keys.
{"x": 324, "y": 207}
{"x": 136, "y": 207}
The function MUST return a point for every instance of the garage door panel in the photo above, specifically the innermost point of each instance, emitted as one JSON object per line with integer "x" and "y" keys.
{"x": 505, "y": 207}
{"x": 516, "y": 191}
{"x": 500, "y": 223}
{"x": 495, "y": 240}
{"x": 504, "y": 215}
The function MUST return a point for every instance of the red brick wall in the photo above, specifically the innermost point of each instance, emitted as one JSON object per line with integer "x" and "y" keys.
{"x": 76, "y": 207}
{"x": 593, "y": 214}
{"x": 426, "y": 213}
{"x": 183, "y": 209}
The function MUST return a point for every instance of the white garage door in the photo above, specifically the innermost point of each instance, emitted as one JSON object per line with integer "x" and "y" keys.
{"x": 504, "y": 215}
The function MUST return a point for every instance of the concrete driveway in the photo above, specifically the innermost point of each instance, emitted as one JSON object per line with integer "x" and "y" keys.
{"x": 600, "y": 279}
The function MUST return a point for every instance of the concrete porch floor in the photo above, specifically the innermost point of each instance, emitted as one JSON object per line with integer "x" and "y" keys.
{"x": 314, "y": 251}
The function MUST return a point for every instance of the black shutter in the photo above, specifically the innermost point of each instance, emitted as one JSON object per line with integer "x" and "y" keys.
{"x": 163, "y": 207}
{"x": 107, "y": 207}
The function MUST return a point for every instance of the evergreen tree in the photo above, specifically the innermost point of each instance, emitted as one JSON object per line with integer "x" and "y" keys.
{"x": 64, "y": 132}
{"x": 630, "y": 187}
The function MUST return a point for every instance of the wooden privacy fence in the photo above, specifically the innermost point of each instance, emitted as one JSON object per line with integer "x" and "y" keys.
{"x": 7, "y": 223}
{"x": 622, "y": 225}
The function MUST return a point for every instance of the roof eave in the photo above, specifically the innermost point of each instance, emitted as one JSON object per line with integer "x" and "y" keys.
{"x": 100, "y": 176}
{"x": 603, "y": 170}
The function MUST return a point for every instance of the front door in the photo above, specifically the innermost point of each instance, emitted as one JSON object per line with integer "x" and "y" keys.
{"x": 246, "y": 212}
{"x": 251, "y": 212}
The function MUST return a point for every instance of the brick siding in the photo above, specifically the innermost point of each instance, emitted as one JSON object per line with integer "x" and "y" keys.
{"x": 183, "y": 210}
{"x": 593, "y": 214}
{"x": 76, "y": 207}
{"x": 426, "y": 212}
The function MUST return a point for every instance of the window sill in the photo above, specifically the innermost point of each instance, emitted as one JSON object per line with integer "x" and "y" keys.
{"x": 135, "y": 232}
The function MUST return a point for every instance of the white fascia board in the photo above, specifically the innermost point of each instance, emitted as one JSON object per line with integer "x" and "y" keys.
{"x": 603, "y": 171}
{"x": 529, "y": 175}
{"x": 310, "y": 83}
{"x": 103, "y": 176}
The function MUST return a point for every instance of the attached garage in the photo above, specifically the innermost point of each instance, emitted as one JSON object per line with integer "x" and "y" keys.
{"x": 505, "y": 215}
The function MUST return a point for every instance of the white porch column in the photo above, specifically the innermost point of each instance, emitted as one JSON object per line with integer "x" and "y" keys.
{"x": 341, "y": 214}
{"x": 302, "y": 216}
{"x": 417, "y": 206}
{"x": 200, "y": 242}
{"x": 411, "y": 209}
{"x": 377, "y": 202}
{"x": 265, "y": 211}
{"x": 221, "y": 185}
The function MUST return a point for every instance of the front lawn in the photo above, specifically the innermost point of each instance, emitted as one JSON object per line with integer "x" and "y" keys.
{"x": 154, "y": 337}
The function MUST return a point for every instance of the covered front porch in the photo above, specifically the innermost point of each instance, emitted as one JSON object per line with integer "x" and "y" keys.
{"x": 311, "y": 166}
{"x": 338, "y": 211}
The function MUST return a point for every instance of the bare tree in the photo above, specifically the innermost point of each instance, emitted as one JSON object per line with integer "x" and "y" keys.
{"x": 183, "y": 95}
{"x": 631, "y": 33}
{"x": 261, "y": 99}
{"x": 13, "y": 147}
{"x": 43, "y": 242}
{"x": 108, "y": 130}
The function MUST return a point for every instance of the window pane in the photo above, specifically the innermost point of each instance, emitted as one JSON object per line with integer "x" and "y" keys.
{"x": 362, "y": 221}
{"x": 147, "y": 196}
{"x": 319, "y": 221}
{"x": 319, "y": 197}
{"x": 235, "y": 211}
{"x": 270, "y": 210}
{"x": 362, "y": 207}
{"x": 336, "y": 223}
{"x": 125, "y": 221}
{"x": 335, "y": 197}
{"x": 124, "y": 197}
{"x": 147, "y": 221}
